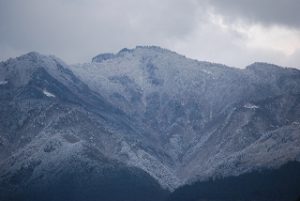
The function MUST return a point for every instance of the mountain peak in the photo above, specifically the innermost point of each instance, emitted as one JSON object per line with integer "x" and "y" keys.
{"x": 267, "y": 69}
{"x": 138, "y": 50}
{"x": 143, "y": 47}
{"x": 153, "y": 48}
{"x": 263, "y": 66}
{"x": 19, "y": 70}
{"x": 102, "y": 57}
{"x": 31, "y": 56}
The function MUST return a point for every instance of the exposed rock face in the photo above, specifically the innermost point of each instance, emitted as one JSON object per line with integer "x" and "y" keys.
{"x": 147, "y": 111}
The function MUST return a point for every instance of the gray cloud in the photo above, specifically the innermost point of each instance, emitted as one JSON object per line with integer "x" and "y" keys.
{"x": 268, "y": 12}
{"x": 211, "y": 43}
{"x": 77, "y": 30}
{"x": 74, "y": 29}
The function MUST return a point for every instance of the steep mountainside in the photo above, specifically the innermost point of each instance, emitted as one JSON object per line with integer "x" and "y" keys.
{"x": 139, "y": 120}
{"x": 209, "y": 118}
{"x": 59, "y": 139}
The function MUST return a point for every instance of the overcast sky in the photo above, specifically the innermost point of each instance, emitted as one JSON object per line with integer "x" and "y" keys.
{"x": 232, "y": 32}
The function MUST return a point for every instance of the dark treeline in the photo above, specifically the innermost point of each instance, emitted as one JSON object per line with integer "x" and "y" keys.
{"x": 281, "y": 184}
{"x": 120, "y": 185}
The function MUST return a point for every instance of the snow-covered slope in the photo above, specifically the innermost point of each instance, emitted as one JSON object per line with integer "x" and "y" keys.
{"x": 206, "y": 116}
{"x": 42, "y": 98}
{"x": 150, "y": 109}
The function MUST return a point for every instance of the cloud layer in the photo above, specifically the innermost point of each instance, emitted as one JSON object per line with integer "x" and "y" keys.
{"x": 267, "y": 12}
{"x": 233, "y": 32}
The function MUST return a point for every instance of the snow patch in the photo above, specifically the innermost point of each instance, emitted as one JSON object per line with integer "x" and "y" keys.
{"x": 47, "y": 93}
{"x": 207, "y": 72}
{"x": 250, "y": 106}
{"x": 3, "y": 82}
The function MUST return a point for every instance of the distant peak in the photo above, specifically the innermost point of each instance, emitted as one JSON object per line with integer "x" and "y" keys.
{"x": 142, "y": 47}
{"x": 33, "y": 57}
{"x": 102, "y": 57}
{"x": 36, "y": 57}
{"x": 125, "y": 50}
{"x": 34, "y": 60}
{"x": 263, "y": 66}
{"x": 106, "y": 56}
{"x": 152, "y": 47}
{"x": 33, "y": 53}
{"x": 145, "y": 47}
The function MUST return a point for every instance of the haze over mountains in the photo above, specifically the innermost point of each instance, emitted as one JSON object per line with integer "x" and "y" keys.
{"x": 140, "y": 123}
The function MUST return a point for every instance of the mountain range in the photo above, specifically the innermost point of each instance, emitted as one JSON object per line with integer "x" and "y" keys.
{"x": 145, "y": 123}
